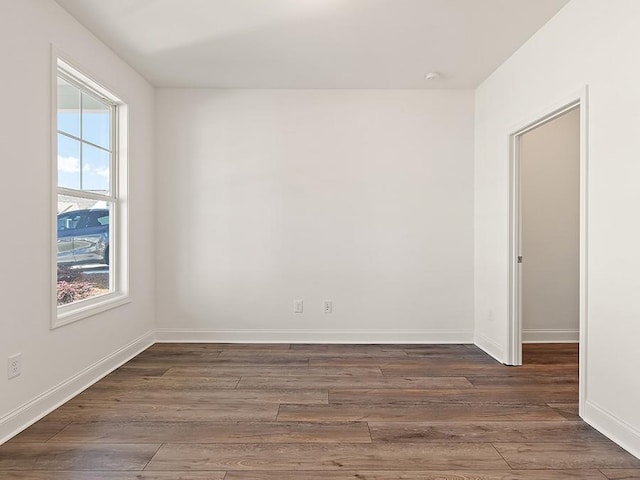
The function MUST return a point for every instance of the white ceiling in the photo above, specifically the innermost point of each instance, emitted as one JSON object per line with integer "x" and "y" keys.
{"x": 313, "y": 43}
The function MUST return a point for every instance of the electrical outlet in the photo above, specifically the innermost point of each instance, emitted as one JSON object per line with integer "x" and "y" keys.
{"x": 298, "y": 306}
{"x": 327, "y": 306}
{"x": 14, "y": 365}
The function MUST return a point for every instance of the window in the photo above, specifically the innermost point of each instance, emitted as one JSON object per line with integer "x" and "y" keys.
{"x": 90, "y": 236}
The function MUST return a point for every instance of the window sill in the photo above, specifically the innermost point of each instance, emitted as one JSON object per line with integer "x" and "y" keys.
{"x": 89, "y": 308}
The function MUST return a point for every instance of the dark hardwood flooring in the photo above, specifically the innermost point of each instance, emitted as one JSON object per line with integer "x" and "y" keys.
{"x": 331, "y": 412}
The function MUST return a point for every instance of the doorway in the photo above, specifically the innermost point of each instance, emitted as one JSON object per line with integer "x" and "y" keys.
{"x": 548, "y": 241}
{"x": 550, "y": 230}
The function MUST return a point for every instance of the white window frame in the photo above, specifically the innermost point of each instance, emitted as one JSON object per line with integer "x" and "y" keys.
{"x": 118, "y": 197}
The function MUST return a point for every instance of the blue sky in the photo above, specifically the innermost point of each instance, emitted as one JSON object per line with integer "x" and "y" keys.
{"x": 78, "y": 160}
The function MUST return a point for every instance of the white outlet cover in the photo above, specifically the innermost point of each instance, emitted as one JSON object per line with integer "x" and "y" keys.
{"x": 327, "y": 306}
{"x": 14, "y": 366}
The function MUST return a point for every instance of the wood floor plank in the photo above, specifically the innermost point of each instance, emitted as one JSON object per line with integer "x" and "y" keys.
{"x": 306, "y": 355}
{"x": 113, "y": 475}
{"x": 215, "y": 432}
{"x": 443, "y": 369}
{"x": 522, "y": 380}
{"x": 452, "y": 348}
{"x": 339, "y": 348}
{"x": 583, "y": 455}
{"x": 259, "y": 359}
{"x": 418, "y": 432}
{"x": 326, "y": 475}
{"x": 551, "y": 348}
{"x": 470, "y": 367}
{"x": 39, "y": 432}
{"x": 177, "y": 384}
{"x": 148, "y": 358}
{"x": 442, "y": 356}
{"x": 248, "y": 347}
{"x": 544, "y": 354}
{"x": 502, "y": 395}
{"x": 239, "y": 397}
{"x": 541, "y": 360}
{"x": 281, "y": 371}
{"x": 416, "y": 413}
{"x": 422, "y": 475}
{"x": 140, "y": 412}
{"x": 321, "y": 457}
{"x": 50, "y": 457}
{"x": 138, "y": 371}
{"x": 353, "y": 382}
{"x": 622, "y": 473}
{"x": 568, "y": 410}
{"x": 418, "y": 362}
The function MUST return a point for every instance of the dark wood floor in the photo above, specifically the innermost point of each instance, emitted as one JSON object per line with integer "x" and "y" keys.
{"x": 334, "y": 412}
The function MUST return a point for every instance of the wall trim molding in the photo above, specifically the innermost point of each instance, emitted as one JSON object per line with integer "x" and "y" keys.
{"x": 550, "y": 336}
{"x": 613, "y": 427}
{"x": 30, "y": 412}
{"x": 489, "y": 347}
{"x": 169, "y": 335}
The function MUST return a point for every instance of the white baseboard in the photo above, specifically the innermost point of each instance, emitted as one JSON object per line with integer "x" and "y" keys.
{"x": 489, "y": 346}
{"x": 550, "y": 336}
{"x": 613, "y": 427}
{"x": 27, "y": 414}
{"x": 314, "y": 336}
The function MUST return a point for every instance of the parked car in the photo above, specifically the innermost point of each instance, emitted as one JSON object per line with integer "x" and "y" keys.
{"x": 83, "y": 236}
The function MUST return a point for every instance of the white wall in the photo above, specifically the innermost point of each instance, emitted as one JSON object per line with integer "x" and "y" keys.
{"x": 360, "y": 197}
{"x": 52, "y": 357}
{"x": 596, "y": 43}
{"x": 550, "y": 191}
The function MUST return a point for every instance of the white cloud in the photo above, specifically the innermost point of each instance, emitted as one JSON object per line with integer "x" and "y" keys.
{"x": 72, "y": 165}
{"x": 103, "y": 172}
{"x": 68, "y": 164}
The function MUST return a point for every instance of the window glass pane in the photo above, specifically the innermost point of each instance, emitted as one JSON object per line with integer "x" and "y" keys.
{"x": 68, "y": 108}
{"x": 96, "y": 121}
{"x": 69, "y": 221}
{"x": 67, "y": 204}
{"x": 95, "y": 169}
{"x": 85, "y": 123}
{"x": 83, "y": 260}
{"x": 68, "y": 162}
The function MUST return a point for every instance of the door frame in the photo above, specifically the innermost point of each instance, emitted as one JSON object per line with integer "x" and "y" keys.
{"x": 578, "y": 99}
